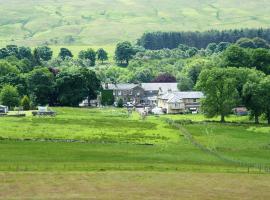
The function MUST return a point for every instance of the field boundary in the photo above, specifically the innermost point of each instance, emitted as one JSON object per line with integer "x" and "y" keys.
{"x": 258, "y": 166}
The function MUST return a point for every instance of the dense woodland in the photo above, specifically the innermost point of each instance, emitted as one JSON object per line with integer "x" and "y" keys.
{"x": 229, "y": 74}
{"x": 171, "y": 40}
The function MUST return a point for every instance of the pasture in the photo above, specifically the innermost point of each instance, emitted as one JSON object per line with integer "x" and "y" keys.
{"x": 84, "y": 152}
{"x": 103, "y": 22}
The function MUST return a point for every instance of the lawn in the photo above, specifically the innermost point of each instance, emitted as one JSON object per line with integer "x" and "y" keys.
{"x": 104, "y": 22}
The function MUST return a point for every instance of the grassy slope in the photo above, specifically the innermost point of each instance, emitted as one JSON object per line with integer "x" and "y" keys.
{"x": 106, "y": 22}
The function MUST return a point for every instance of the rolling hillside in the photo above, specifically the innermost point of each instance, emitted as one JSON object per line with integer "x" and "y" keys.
{"x": 104, "y": 22}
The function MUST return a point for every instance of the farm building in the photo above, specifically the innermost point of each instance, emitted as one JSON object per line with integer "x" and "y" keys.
{"x": 143, "y": 93}
{"x": 3, "y": 109}
{"x": 180, "y": 102}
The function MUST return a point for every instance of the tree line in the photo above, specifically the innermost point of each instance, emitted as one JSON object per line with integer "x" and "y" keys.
{"x": 171, "y": 40}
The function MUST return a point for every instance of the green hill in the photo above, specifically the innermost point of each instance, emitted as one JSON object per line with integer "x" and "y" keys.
{"x": 104, "y": 22}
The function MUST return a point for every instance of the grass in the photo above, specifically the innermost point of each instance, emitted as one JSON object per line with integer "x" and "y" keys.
{"x": 99, "y": 23}
{"x": 133, "y": 185}
{"x": 105, "y": 154}
{"x": 108, "y": 139}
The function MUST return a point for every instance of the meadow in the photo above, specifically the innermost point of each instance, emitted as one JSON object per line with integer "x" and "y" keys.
{"x": 103, "y": 153}
{"x": 103, "y": 22}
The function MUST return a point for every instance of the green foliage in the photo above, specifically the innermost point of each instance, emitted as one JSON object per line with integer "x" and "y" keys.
{"x": 102, "y": 55}
{"x": 89, "y": 55}
{"x": 124, "y": 52}
{"x": 170, "y": 40}
{"x": 107, "y": 98}
{"x": 246, "y": 43}
{"x": 25, "y": 103}
{"x": 120, "y": 103}
{"x": 43, "y": 53}
{"x": 185, "y": 83}
{"x": 235, "y": 56}
{"x": 40, "y": 83}
{"x": 9, "y": 96}
{"x": 6, "y": 68}
{"x": 65, "y": 53}
{"x": 219, "y": 87}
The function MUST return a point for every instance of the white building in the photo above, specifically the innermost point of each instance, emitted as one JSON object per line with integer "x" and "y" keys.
{"x": 180, "y": 102}
{"x": 3, "y": 109}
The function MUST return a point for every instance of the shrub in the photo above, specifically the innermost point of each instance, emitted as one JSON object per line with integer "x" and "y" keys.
{"x": 25, "y": 103}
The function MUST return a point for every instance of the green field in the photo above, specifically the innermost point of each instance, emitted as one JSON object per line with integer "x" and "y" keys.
{"x": 83, "y": 152}
{"x": 104, "y": 22}
{"x": 108, "y": 139}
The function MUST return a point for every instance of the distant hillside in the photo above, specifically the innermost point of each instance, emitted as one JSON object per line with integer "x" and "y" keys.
{"x": 104, "y": 22}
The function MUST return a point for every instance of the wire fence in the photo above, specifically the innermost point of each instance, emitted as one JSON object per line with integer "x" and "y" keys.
{"x": 258, "y": 166}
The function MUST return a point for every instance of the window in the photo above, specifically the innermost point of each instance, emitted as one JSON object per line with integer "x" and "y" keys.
{"x": 119, "y": 93}
{"x": 194, "y": 100}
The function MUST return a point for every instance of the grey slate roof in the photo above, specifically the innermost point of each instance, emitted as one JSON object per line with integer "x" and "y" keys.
{"x": 163, "y": 86}
{"x": 177, "y": 96}
{"x": 121, "y": 86}
{"x": 146, "y": 86}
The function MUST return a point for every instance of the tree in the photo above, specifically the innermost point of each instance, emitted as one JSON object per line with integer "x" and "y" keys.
{"x": 124, "y": 52}
{"x": 185, "y": 84}
{"x": 219, "y": 88}
{"x": 142, "y": 76}
{"x": 6, "y": 68}
{"x": 246, "y": 43}
{"x": 25, "y": 52}
{"x": 88, "y": 54}
{"x": 70, "y": 87}
{"x": 102, "y": 55}
{"x": 91, "y": 84}
{"x": 25, "y": 103}
{"x": 164, "y": 78}
{"x": 260, "y": 43}
{"x": 65, "y": 53}
{"x": 235, "y": 56}
{"x": 43, "y": 53}
{"x": 260, "y": 58}
{"x": 13, "y": 50}
{"x": 41, "y": 85}
{"x": 9, "y": 96}
{"x": 253, "y": 99}
{"x": 265, "y": 95}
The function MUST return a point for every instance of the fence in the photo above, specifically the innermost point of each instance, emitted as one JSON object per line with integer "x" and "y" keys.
{"x": 260, "y": 167}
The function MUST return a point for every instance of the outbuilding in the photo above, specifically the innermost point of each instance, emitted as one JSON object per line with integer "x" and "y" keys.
{"x": 3, "y": 109}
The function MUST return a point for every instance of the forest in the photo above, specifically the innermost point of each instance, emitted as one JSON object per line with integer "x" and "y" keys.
{"x": 170, "y": 40}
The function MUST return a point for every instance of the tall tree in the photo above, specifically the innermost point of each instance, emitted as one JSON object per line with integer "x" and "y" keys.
{"x": 9, "y": 96}
{"x": 124, "y": 52}
{"x": 65, "y": 53}
{"x": 252, "y": 95}
{"x": 265, "y": 95}
{"x": 102, "y": 55}
{"x": 91, "y": 84}
{"x": 89, "y": 55}
{"x": 41, "y": 86}
{"x": 219, "y": 88}
{"x": 43, "y": 53}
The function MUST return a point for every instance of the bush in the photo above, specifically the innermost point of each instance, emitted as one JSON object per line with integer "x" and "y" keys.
{"x": 25, "y": 103}
{"x": 120, "y": 103}
{"x": 9, "y": 96}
